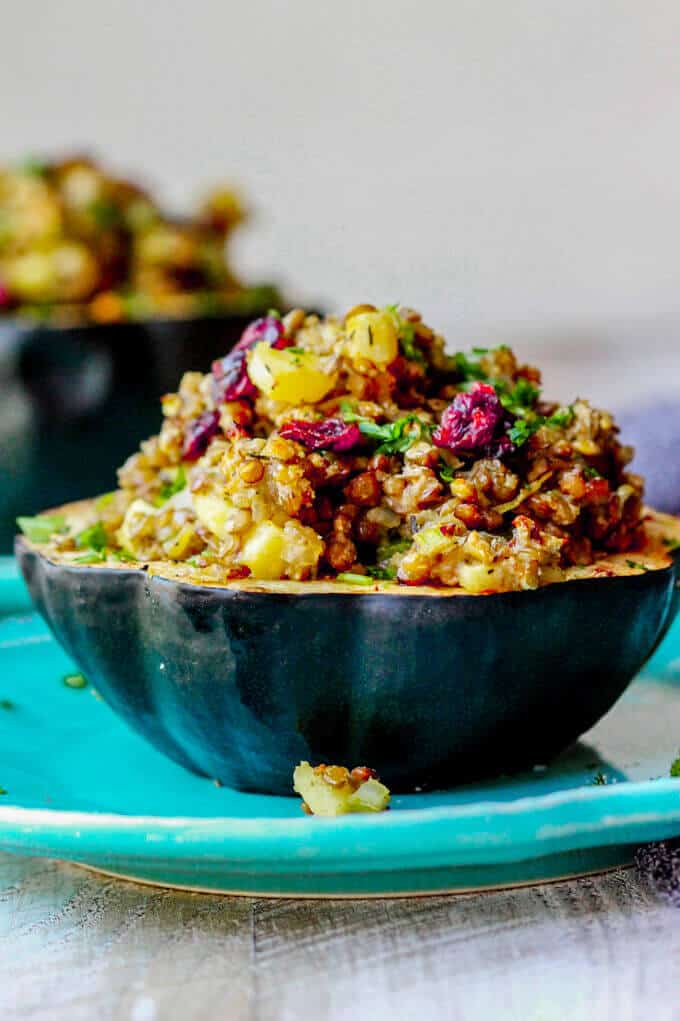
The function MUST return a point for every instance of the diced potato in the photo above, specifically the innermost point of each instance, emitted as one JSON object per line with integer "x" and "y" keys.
{"x": 30, "y": 276}
{"x": 214, "y": 512}
{"x": 431, "y": 540}
{"x": 338, "y": 795}
{"x": 372, "y": 336}
{"x": 180, "y": 546}
{"x": 476, "y": 577}
{"x": 296, "y": 377}
{"x": 136, "y": 515}
{"x": 66, "y": 272}
{"x": 263, "y": 551}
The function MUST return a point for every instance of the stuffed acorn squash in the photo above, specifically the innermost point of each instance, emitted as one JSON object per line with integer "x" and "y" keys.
{"x": 347, "y": 545}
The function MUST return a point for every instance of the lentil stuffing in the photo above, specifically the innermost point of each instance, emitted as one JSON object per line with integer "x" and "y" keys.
{"x": 357, "y": 447}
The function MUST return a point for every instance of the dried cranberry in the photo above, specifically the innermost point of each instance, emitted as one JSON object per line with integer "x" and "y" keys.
{"x": 230, "y": 374}
{"x": 473, "y": 422}
{"x": 230, "y": 378}
{"x": 267, "y": 328}
{"x": 331, "y": 434}
{"x": 199, "y": 433}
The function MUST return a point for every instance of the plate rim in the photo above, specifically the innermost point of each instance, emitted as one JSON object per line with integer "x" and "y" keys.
{"x": 453, "y": 835}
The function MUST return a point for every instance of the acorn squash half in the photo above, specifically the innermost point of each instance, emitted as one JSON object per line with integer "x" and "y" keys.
{"x": 428, "y": 686}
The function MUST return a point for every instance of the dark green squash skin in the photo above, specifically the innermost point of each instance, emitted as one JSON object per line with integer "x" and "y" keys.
{"x": 428, "y": 690}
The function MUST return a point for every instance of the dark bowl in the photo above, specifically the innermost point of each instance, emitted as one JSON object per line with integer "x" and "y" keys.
{"x": 430, "y": 690}
{"x": 75, "y": 401}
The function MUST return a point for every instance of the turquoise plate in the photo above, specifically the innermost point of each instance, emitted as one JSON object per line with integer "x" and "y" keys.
{"x": 78, "y": 785}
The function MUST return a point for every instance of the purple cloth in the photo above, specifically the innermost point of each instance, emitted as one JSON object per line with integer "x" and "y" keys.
{"x": 654, "y": 431}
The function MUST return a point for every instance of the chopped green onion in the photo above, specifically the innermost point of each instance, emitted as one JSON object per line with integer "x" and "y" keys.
{"x": 354, "y": 579}
{"x": 43, "y": 527}
{"x": 93, "y": 538}
{"x": 121, "y": 554}
{"x": 104, "y": 500}
{"x": 75, "y": 681}
{"x": 168, "y": 489}
{"x": 93, "y": 557}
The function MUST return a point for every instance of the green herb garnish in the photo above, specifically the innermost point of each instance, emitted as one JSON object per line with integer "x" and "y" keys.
{"x": 121, "y": 554}
{"x": 93, "y": 538}
{"x": 591, "y": 473}
{"x": 104, "y": 500}
{"x": 75, "y": 681}
{"x": 391, "y": 548}
{"x": 273, "y": 313}
{"x": 523, "y": 429}
{"x": 466, "y": 368}
{"x": 41, "y": 528}
{"x": 517, "y": 398}
{"x": 168, "y": 489}
{"x": 105, "y": 214}
{"x": 33, "y": 167}
{"x": 354, "y": 579}
{"x": 393, "y": 437}
{"x": 670, "y": 544}
{"x": 382, "y": 573}
{"x": 675, "y": 767}
{"x": 93, "y": 557}
{"x": 634, "y": 565}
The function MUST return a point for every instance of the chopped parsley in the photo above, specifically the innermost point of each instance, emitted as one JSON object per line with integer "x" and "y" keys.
{"x": 391, "y": 548}
{"x": 392, "y": 437}
{"x": 670, "y": 544}
{"x": 591, "y": 473}
{"x": 446, "y": 472}
{"x": 517, "y": 398}
{"x": 522, "y": 429}
{"x": 105, "y": 214}
{"x": 382, "y": 573}
{"x": 41, "y": 528}
{"x": 634, "y": 565}
{"x": 469, "y": 370}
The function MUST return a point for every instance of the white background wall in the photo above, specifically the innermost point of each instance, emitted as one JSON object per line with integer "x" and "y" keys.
{"x": 511, "y": 168}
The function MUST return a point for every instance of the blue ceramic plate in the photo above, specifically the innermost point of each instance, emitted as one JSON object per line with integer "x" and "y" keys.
{"x": 78, "y": 785}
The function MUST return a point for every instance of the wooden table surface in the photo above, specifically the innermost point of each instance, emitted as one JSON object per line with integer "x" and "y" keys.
{"x": 75, "y": 946}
